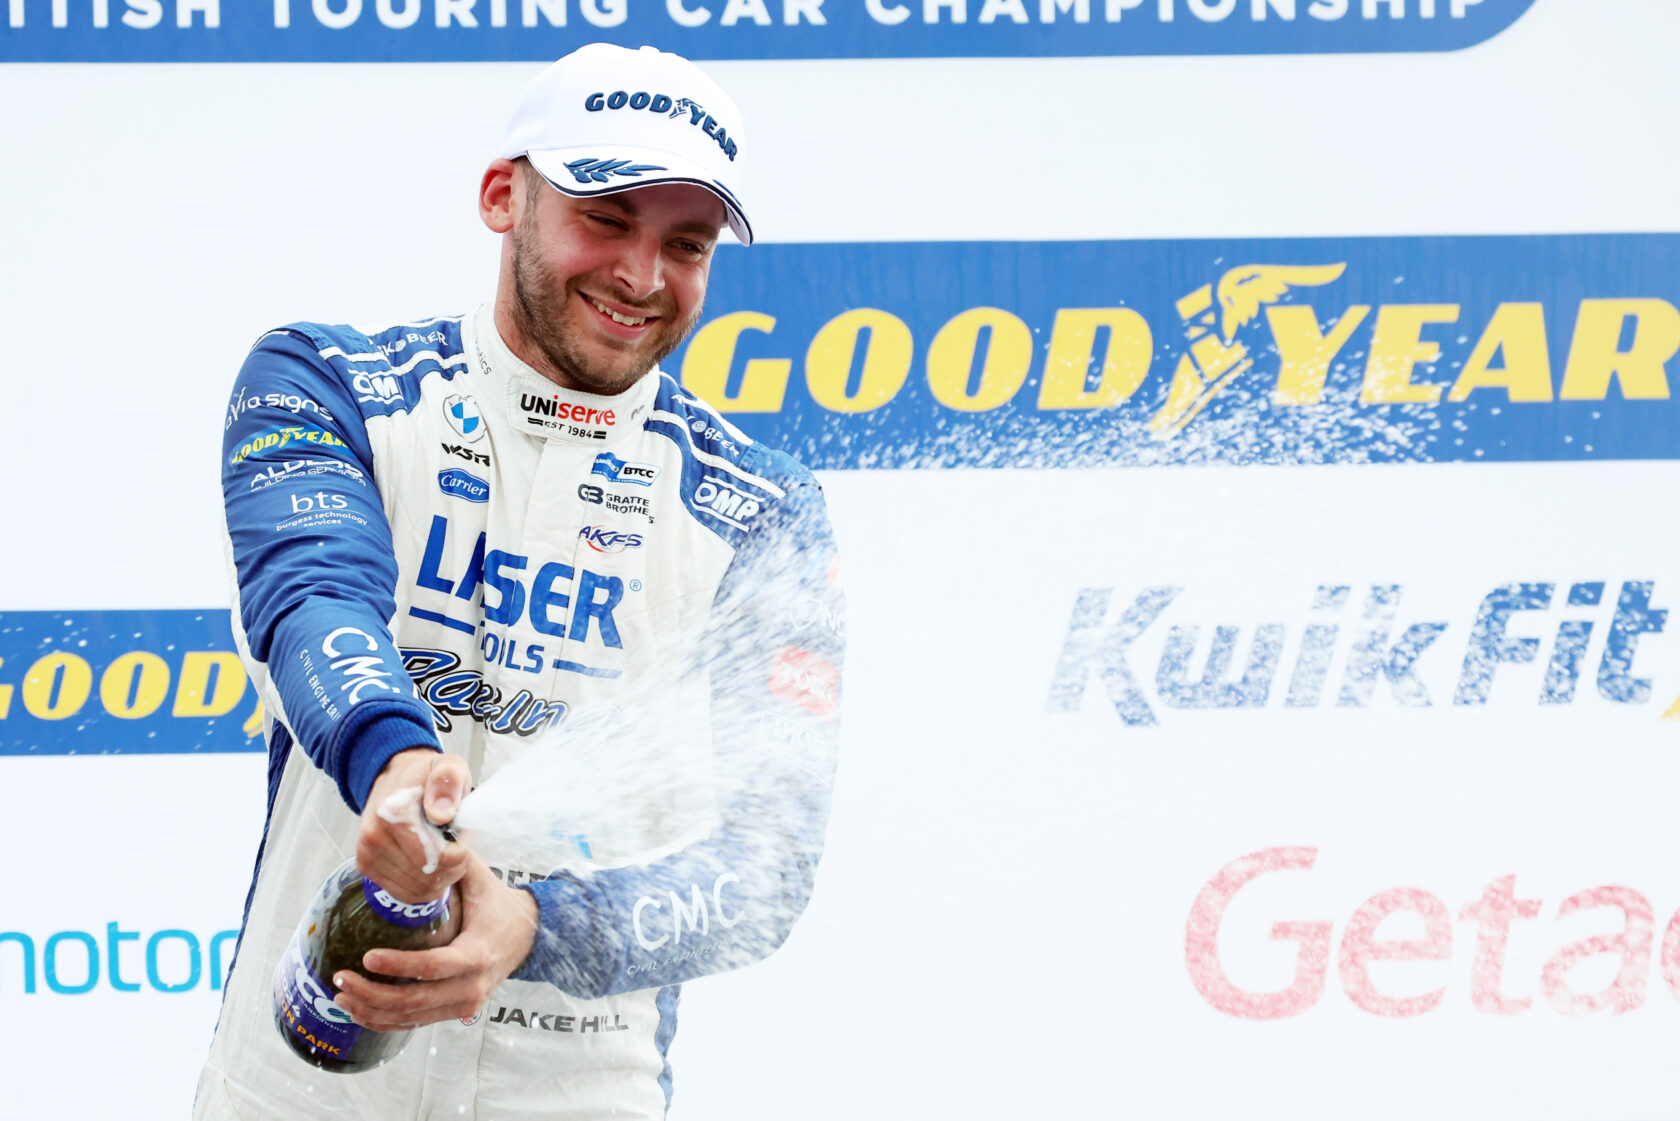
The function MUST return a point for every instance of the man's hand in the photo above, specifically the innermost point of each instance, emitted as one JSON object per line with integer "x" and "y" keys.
{"x": 498, "y": 929}
{"x": 391, "y": 855}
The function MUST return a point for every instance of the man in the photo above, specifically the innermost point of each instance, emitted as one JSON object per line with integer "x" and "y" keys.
{"x": 465, "y": 532}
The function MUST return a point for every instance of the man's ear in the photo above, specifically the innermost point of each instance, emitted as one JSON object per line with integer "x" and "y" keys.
{"x": 496, "y": 196}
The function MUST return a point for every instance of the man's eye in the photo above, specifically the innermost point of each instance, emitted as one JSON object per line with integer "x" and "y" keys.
{"x": 690, "y": 248}
{"x": 607, "y": 220}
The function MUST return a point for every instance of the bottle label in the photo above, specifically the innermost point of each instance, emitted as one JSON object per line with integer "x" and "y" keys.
{"x": 306, "y": 1006}
{"x": 394, "y": 910}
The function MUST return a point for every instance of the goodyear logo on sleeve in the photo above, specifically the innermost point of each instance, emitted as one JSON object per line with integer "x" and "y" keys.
{"x": 541, "y": 30}
{"x": 1078, "y": 354}
{"x": 107, "y": 682}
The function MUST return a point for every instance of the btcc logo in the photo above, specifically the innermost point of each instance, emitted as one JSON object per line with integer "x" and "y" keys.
{"x": 616, "y": 470}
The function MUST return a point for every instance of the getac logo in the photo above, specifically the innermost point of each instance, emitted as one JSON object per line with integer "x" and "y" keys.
{"x": 696, "y": 115}
{"x": 616, "y": 470}
{"x": 380, "y": 388}
{"x": 604, "y": 540}
{"x": 724, "y": 501}
{"x": 290, "y": 402}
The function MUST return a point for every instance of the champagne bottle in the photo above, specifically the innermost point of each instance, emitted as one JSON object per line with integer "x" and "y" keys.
{"x": 349, "y": 916}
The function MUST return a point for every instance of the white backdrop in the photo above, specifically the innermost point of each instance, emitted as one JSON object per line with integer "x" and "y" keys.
{"x": 1000, "y": 923}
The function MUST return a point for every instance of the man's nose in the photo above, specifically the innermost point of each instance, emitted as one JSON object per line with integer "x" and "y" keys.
{"x": 640, "y": 267}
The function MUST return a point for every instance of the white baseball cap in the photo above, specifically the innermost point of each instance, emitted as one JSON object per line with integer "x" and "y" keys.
{"x": 606, "y": 119}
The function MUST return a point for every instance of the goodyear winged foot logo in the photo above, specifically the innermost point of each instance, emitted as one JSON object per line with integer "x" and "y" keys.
{"x": 1215, "y": 358}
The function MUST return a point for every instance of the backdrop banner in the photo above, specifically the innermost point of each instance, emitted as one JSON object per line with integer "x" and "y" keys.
{"x": 541, "y": 30}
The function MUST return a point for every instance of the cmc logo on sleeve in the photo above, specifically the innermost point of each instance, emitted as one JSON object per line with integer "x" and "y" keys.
{"x": 104, "y": 682}
{"x": 1091, "y": 353}
{"x": 540, "y": 30}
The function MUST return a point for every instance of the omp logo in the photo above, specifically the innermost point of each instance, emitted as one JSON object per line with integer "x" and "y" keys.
{"x": 379, "y": 388}
{"x": 616, "y": 470}
{"x": 719, "y": 498}
{"x": 1470, "y": 967}
{"x": 1587, "y": 637}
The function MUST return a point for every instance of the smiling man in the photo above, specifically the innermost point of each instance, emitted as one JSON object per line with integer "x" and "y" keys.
{"x": 454, "y": 539}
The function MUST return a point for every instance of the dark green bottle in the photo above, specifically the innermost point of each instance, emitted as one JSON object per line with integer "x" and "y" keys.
{"x": 349, "y": 916}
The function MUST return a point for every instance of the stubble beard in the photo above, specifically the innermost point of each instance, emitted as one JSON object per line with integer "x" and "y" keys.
{"x": 539, "y": 311}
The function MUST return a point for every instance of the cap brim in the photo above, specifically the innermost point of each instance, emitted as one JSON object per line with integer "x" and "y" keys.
{"x": 581, "y": 172}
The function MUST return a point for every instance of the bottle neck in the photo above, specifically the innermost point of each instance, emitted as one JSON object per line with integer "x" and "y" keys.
{"x": 398, "y": 913}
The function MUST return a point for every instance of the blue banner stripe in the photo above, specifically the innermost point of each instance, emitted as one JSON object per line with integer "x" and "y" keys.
{"x": 435, "y": 617}
{"x": 1113, "y": 353}
{"x": 532, "y": 30}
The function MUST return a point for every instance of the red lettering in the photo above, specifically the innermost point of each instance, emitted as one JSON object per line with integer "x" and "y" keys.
{"x": 1627, "y": 992}
{"x": 1492, "y": 915}
{"x": 1359, "y": 948}
{"x": 1201, "y": 941}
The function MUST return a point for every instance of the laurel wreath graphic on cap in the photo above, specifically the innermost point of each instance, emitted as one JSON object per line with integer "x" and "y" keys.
{"x": 601, "y": 171}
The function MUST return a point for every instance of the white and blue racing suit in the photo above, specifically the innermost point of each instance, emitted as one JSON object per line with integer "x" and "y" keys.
{"x": 434, "y": 546}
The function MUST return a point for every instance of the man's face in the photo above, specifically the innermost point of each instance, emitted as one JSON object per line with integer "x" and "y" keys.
{"x": 607, "y": 286}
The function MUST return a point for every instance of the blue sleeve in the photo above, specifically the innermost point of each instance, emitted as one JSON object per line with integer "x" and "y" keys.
{"x": 314, "y": 564}
{"x": 773, "y": 653}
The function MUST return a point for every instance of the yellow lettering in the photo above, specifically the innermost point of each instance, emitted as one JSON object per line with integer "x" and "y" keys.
{"x": 1397, "y": 347}
{"x": 252, "y": 726}
{"x": 67, "y": 675}
{"x": 1594, "y": 357}
{"x": 1073, "y": 344}
{"x": 5, "y": 697}
{"x": 196, "y": 667}
{"x": 886, "y": 360}
{"x": 1306, "y": 352}
{"x": 705, "y": 368}
{"x": 118, "y": 682}
{"x": 950, "y": 357}
{"x": 1520, "y": 331}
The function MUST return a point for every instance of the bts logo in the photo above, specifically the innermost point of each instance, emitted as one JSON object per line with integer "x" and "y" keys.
{"x": 724, "y": 501}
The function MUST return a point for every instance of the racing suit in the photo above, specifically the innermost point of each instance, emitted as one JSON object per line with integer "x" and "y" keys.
{"x": 433, "y": 544}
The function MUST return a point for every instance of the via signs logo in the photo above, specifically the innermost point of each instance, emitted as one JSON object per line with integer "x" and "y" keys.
{"x": 468, "y": 31}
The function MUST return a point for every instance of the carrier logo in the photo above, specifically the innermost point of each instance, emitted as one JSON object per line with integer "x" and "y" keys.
{"x": 604, "y": 540}
{"x": 462, "y": 413}
{"x": 1524, "y": 643}
{"x": 616, "y": 470}
{"x": 464, "y": 485}
{"x": 720, "y": 499}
